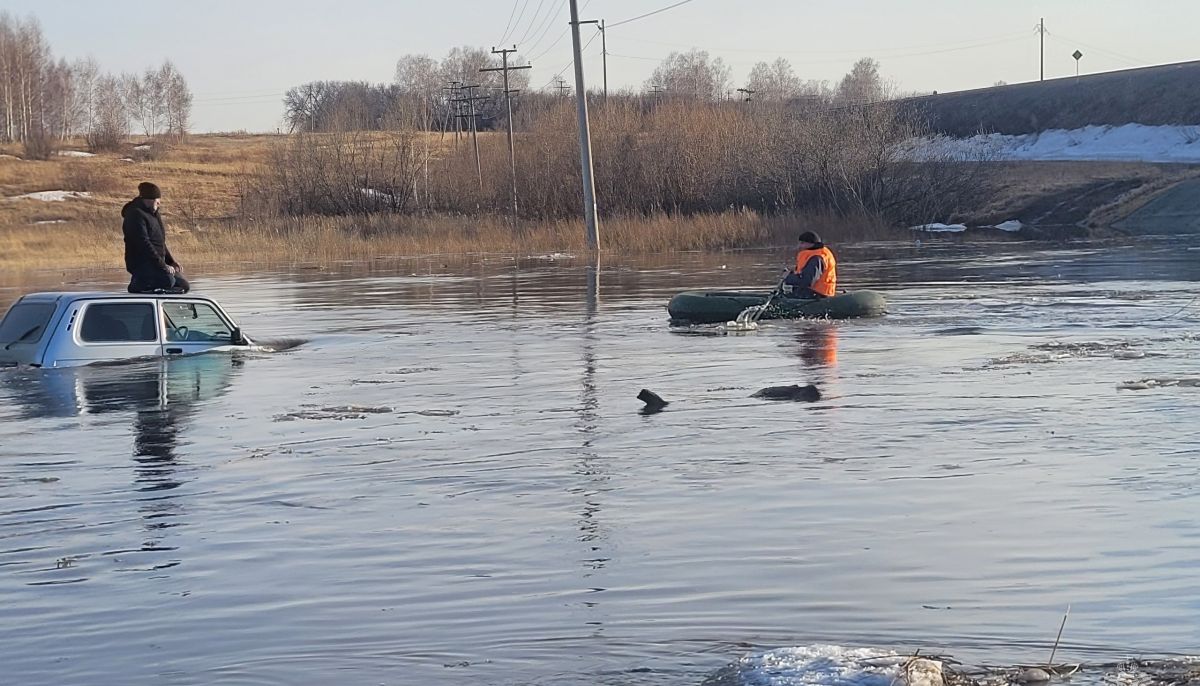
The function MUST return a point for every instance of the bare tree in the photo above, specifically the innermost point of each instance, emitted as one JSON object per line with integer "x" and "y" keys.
{"x": 692, "y": 74}
{"x": 176, "y": 99}
{"x": 775, "y": 81}
{"x": 863, "y": 84}
{"x": 139, "y": 103}
{"x": 110, "y": 120}
{"x": 302, "y": 104}
{"x": 78, "y": 84}
{"x": 24, "y": 61}
{"x": 418, "y": 80}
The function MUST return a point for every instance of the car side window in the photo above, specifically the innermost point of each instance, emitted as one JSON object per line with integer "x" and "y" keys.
{"x": 194, "y": 322}
{"x": 118, "y": 323}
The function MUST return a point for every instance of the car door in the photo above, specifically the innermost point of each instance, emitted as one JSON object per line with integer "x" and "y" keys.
{"x": 117, "y": 329}
{"x": 193, "y": 326}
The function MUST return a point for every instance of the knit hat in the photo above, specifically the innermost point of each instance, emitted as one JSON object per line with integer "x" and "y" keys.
{"x": 148, "y": 191}
{"x": 809, "y": 237}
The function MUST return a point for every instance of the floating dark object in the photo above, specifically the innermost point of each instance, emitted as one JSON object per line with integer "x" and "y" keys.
{"x": 654, "y": 402}
{"x": 807, "y": 392}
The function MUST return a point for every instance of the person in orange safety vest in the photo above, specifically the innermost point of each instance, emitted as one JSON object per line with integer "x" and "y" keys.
{"x": 816, "y": 270}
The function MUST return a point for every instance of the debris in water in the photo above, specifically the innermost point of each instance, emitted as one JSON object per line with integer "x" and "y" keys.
{"x": 340, "y": 412}
{"x": 1033, "y": 675}
{"x": 436, "y": 413}
{"x": 830, "y": 665}
{"x": 1145, "y": 384}
{"x": 807, "y": 392}
{"x": 654, "y": 402}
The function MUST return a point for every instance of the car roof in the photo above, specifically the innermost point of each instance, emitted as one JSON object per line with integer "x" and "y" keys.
{"x": 71, "y": 296}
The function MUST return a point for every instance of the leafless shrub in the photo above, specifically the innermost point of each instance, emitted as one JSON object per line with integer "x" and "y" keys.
{"x": 39, "y": 144}
{"x": 150, "y": 151}
{"x": 83, "y": 175}
{"x": 340, "y": 174}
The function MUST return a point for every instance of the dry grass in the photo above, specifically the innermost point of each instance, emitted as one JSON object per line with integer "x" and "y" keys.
{"x": 203, "y": 179}
{"x": 324, "y": 240}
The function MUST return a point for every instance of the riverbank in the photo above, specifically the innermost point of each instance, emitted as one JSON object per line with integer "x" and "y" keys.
{"x": 65, "y": 211}
{"x": 328, "y": 239}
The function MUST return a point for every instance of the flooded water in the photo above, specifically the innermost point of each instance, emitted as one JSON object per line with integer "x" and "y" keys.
{"x": 450, "y": 481}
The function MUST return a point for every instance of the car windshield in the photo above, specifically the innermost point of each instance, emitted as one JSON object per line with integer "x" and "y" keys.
{"x": 25, "y": 323}
{"x": 196, "y": 322}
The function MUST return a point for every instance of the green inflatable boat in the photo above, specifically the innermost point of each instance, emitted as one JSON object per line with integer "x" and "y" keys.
{"x": 711, "y": 307}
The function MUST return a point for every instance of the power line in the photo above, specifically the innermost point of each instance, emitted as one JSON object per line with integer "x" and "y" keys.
{"x": 551, "y": 46}
{"x": 537, "y": 21}
{"x": 252, "y": 91}
{"x": 549, "y": 24}
{"x": 510, "y": 18}
{"x": 841, "y": 60}
{"x": 1104, "y": 51}
{"x": 234, "y": 98}
{"x": 847, "y": 51}
{"x": 236, "y": 102}
{"x": 568, "y": 64}
{"x": 649, "y": 14}
{"x": 556, "y": 40}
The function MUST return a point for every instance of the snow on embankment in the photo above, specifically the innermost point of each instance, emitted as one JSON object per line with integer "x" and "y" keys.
{"x": 52, "y": 196}
{"x": 1130, "y": 142}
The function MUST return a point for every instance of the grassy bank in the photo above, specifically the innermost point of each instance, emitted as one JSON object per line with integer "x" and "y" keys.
{"x": 213, "y": 219}
{"x": 322, "y": 240}
{"x": 210, "y": 219}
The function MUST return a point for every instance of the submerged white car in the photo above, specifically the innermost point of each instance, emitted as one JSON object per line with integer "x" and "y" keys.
{"x": 72, "y": 329}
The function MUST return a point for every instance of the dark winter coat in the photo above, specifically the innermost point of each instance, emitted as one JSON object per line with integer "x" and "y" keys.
{"x": 145, "y": 239}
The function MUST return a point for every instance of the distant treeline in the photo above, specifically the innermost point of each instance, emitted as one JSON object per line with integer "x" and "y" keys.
{"x": 1152, "y": 95}
{"x": 429, "y": 94}
{"x": 44, "y": 101}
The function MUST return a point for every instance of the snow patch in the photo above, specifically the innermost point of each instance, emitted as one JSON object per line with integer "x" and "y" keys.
{"x": 75, "y": 153}
{"x": 10, "y": 157}
{"x": 51, "y": 221}
{"x": 553, "y": 256}
{"x": 938, "y": 227}
{"x": 1011, "y": 225}
{"x": 52, "y": 196}
{"x": 1128, "y": 142}
{"x": 126, "y": 159}
{"x": 141, "y": 147}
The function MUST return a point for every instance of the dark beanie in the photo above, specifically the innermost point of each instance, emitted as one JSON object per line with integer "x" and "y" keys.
{"x": 809, "y": 237}
{"x": 148, "y": 191}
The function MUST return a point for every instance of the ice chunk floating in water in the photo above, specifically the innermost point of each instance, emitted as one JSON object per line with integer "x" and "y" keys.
{"x": 938, "y": 227}
{"x": 820, "y": 665}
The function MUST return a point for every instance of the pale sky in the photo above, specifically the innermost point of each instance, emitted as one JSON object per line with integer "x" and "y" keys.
{"x": 239, "y": 57}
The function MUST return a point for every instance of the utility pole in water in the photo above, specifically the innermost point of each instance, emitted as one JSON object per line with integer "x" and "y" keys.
{"x": 585, "y": 137}
{"x": 512, "y": 154}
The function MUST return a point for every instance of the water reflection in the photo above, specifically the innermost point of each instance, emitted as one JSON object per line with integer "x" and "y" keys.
{"x": 818, "y": 344}
{"x": 161, "y": 395}
{"x": 590, "y": 466}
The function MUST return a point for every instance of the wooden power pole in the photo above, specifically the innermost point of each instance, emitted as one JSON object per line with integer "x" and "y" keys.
{"x": 470, "y": 100}
{"x": 512, "y": 153}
